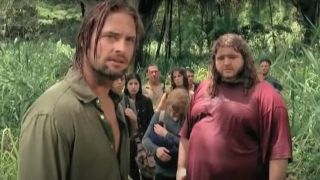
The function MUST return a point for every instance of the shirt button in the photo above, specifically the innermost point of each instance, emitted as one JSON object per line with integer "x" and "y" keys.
{"x": 111, "y": 146}
{"x": 98, "y": 102}
{"x": 101, "y": 116}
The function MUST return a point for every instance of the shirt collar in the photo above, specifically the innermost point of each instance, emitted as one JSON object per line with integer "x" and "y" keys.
{"x": 81, "y": 89}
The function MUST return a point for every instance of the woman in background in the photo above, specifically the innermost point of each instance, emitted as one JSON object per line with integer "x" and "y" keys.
{"x": 134, "y": 99}
{"x": 179, "y": 79}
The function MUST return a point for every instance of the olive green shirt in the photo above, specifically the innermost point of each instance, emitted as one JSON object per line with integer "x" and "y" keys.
{"x": 65, "y": 136}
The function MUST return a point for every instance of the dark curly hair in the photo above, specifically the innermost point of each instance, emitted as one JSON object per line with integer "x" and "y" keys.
{"x": 183, "y": 72}
{"x": 248, "y": 75}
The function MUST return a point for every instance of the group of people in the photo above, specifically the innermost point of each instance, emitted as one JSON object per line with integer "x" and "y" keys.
{"x": 143, "y": 105}
{"x": 233, "y": 125}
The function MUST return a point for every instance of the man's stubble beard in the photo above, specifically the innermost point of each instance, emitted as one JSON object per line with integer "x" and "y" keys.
{"x": 104, "y": 73}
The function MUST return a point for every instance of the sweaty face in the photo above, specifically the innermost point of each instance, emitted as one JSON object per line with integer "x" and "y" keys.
{"x": 264, "y": 68}
{"x": 178, "y": 79}
{"x": 229, "y": 63}
{"x": 153, "y": 74}
{"x": 190, "y": 77}
{"x": 115, "y": 46}
{"x": 133, "y": 86}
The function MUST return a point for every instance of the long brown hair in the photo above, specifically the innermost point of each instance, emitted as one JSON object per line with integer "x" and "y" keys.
{"x": 94, "y": 21}
{"x": 248, "y": 75}
{"x": 184, "y": 78}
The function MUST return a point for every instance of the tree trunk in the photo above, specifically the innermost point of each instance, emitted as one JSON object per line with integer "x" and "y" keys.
{"x": 147, "y": 10}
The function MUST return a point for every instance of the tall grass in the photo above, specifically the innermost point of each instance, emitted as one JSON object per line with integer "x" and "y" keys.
{"x": 299, "y": 71}
{"x": 26, "y": 69}
{"x": 8, "y": 155}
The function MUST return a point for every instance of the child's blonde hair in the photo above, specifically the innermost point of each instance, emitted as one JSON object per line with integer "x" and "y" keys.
{"x": 178, "y": 101}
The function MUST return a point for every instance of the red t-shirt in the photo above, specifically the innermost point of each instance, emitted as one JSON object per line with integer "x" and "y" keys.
{"x": 233, "y": 135}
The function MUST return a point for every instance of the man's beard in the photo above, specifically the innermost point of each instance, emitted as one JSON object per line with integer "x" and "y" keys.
{"x": 105, "y": 73}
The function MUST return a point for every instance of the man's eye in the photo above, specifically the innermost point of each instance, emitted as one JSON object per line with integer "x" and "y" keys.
{"x": 220, "y": 58}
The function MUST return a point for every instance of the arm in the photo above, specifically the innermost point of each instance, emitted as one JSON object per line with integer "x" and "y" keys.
{"x": 172, "y": 138}
{"x": 147, "y": 116}
{"x": 182, "y": 159}
{"x": 44, "y": 150}
{"x": 162, "y": 103}
{"x": 277, "y": 169}
{"x": 276, "y": 138}
{"x": 146, "y": 141}
{"x": 132, "y": 117}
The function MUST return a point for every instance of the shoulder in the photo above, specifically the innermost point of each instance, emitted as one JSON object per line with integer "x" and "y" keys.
{"x": 264, "y": 86}
{"x": 58, "y": 103}
{"x": 271, "y": 79}
{"x": 202, "y": 90}
{"x": 146, "y": 86}
{"x": 266, "y": 94}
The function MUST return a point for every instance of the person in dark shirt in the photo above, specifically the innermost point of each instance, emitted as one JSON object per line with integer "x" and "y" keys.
{"x": 237, "y": 126}
{"x": 265, "y": 65}
{"x": 142, "y": 106}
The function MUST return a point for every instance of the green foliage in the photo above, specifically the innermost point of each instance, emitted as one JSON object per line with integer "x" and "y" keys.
{"x": 8, "y": 155}
{"x": 26, "y": 70}
{"x": 17, "y": 18}
{"x": 300, "y": 72}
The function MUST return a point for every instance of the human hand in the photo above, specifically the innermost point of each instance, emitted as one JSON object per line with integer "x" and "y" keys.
{"x": 162, "y": 103}
{"x": 181, "y": 173}
{"x": 163, "y": 154}
{"x": 130, "y": 114}
{"x": 159, "y": 130}
{"x": 132, "y": 119}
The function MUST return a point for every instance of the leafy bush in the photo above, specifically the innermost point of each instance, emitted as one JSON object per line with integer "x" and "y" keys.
{"x": 18, "y": 19}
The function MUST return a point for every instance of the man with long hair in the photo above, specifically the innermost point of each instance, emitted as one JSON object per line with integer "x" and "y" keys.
{"x": 75, "y": 130}
{"x": 237, "y": 127}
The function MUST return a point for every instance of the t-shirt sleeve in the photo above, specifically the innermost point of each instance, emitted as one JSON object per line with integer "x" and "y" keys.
{"x": 281, "y": 145}
{"x": 43, "y": 150}
{"x": 275, "y": 138}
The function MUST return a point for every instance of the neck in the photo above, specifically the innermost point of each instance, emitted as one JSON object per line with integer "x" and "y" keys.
{"x": 133, "y": 96}
{"x": 156, "y": 83}
{"x": 98, "y": 84}
{"x": 232, "y": 81}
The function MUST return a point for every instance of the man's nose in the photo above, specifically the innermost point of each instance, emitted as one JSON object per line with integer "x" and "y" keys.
{"x": 120, "y": 45}
{"x": 227, "y": 61}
